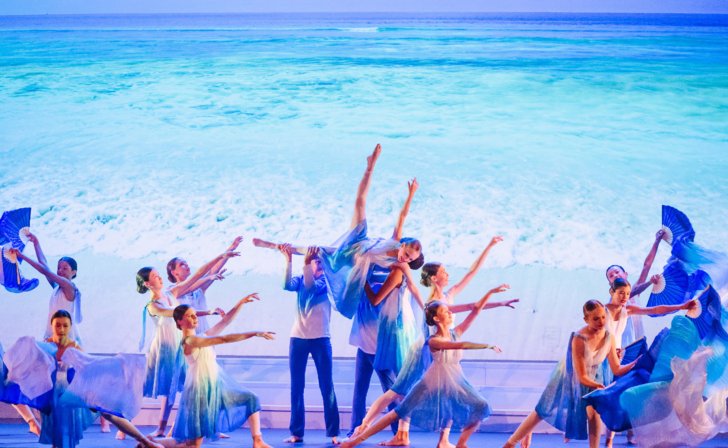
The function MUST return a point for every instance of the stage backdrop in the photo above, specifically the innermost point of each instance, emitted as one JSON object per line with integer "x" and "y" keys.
{"x": 139, "y": 138}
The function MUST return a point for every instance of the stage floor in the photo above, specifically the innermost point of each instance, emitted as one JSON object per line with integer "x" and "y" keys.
{"x": 16, "y": 436}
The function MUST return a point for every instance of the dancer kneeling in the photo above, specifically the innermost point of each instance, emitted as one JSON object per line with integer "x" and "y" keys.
{"x": 443, "y": 397}
{"x": 211, "y": 401}
{"x": 561, "y": 403}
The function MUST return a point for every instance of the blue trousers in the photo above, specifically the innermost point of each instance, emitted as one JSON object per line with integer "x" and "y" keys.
{"x": 320, "y": 350}
{"x": 364, "y": 370}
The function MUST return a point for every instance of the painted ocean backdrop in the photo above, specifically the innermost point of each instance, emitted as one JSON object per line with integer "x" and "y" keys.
{"x": 137, "y": 138}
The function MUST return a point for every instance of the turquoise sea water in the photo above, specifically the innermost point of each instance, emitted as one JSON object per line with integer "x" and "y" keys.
{"x": 139, "y": 135}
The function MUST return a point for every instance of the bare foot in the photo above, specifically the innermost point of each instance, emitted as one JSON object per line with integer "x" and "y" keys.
{"x": 630, "y": 438}
{"x": 258, "y": 442}
{"x": 399, "y": 439}
{"x": 105, "y": 425}
{"x": 120, "y": 435}
{"x": 348, "y": 443}
{"x": 358, "y": 430}
{"x": 220, "y": 435}
{"x": 293, "y": 439}
{"x": 608, "y": 442}
{"x": 335, "y": 441}
{"x": 372, "y": 159}
{"x": 33, "y": 427}
{"x": 158, "y": 432}
{"x": 445, "y": 444}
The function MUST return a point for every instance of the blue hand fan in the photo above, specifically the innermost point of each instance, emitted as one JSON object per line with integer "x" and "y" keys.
{"x": 671, "y": 288}
{"x": 14, "y": 226}
{"x": 707, "y": 317}
{"x": 634, "y": 350}
{"x": 676, "y": 225}
{"x": 698, "y": 281}
{"x": 10, "y": 276}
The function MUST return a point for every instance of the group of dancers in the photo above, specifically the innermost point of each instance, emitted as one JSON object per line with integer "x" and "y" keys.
{"x": 370, "y": 281}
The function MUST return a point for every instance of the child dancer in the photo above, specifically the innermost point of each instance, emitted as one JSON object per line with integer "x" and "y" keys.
{"x": 310, "y": 335}
{"x": 434, "y": 275}
{"x": 162, "y": 355}
{"x": 178, "y": 272}
{"x": 443, "y": 397}
{"x": 65, "y": 296}
{"x": 561, "y": 403}
{"x": 211, "y": 401}
{"x": 64, "y": 418}
{"x": 619, "y": 309}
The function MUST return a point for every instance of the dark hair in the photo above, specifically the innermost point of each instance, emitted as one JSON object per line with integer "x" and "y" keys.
{"x": 590, "y": 306}
{"x": 431, "y": 310}
{"x": 60, "y": 314}
{"x": 71, "y": 262}
{"x": 619, "y": 283}
{"x": 606, "y": 273}
{"x": 171, "y": 266}
{"x": 428, "y": 270}
{"x": 414, "y": 243}
{"x": 417, "y": 262}
{"x": 142, "y": 276}
{"x": 179, "y": 313}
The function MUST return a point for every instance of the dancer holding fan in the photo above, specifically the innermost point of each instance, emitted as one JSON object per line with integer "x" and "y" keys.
{"x": 14, "y": 226}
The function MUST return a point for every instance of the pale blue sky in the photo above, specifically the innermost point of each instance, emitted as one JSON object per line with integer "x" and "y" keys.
{"x": 10, "y": 7}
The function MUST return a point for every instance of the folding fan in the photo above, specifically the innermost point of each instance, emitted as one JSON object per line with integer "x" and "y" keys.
{"x": 676, "y": 225}
{"x": 707, "y": 316}
{"x": 671, "y": 287}
{"x": 14, "y": 229}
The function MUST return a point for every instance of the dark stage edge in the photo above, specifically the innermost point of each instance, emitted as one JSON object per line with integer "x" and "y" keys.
{"x": 15, "y": 435}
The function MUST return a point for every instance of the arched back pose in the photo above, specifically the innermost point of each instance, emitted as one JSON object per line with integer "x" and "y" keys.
{"x": 561, "y": 403}
{"x": 354, "y": 260}
{"x": 443, "y": 397}
{"x": 310, "y": 335}
{"x": 162, "y": 362}
{"x": 178, "y": 273}
{"x": 435, "y": 276}
{"x": 211, "y": 401}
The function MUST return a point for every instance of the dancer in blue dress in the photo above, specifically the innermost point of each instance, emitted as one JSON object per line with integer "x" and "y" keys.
{"x": 65, "y": 296}
{"x": 561, "y": 403}
{"x": 443, "y": 397}
{"x": 211, "y": 401}
{"x": 66, "y": 407}
{"x": 163, "y": 362}
{"x": 355, "y": 260}
{"x": 435, "y": 276}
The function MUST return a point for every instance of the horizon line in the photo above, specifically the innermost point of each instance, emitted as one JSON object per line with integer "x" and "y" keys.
{"x": 360, "y": 12}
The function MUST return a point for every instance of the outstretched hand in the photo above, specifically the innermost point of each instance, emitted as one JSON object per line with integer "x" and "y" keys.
{"x": 655, "y": 279}
{"x": 502, "y": 288}
{"x": 218, "y": 311}
{"x": 691, "y": 305}
{"x": 269, "y": 335}
{"x": 249, "y": 298}
{"x": 496, "y": 349}
{"x": 31, "y": 237}
{"x": 509, "y": 303}
{"x": 412, "y": 186}
{"x": 495, "y": 240}
{"x": 230, "y": 254}
{"x": 660, "y": 234}
{"x": 236, "y": 242}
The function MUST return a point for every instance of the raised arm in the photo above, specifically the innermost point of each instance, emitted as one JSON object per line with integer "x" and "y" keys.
{"x": 660, "y": 310}
{"x": 360, "y": 205}
{"x": 393, "y": 280}
{"x": 184, "y": 287}
{"x": 642, "y": 282}
{"x": 411, "y": 189}
{"x": 68, "y": 288}
{"x": 288, "y": 283}
{"x": 479, "y": 305}
{"x": 40, "y": 255}
{"x": 227, "y": 318}
{"x": 459, "y": 286}
{"x": 438, "y": 343}
{"x": 311, "y": 254}
{"x": 218, "y": 268}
